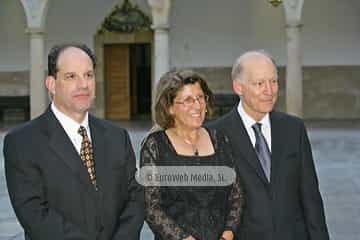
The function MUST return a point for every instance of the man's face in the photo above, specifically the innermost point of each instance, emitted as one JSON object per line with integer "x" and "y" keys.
{"x": 73, "y": 89}
{"x": 258, "y": 88}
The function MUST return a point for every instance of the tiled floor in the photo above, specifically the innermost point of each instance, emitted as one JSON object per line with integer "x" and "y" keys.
{"x": 337, "y": 154}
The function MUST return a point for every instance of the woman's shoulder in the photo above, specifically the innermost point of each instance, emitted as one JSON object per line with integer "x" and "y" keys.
{"x": 152, "y": 138}
{"x": 222, "y": 145}
{"x": 217, "y": 135}
{"x": 156, "y": 134}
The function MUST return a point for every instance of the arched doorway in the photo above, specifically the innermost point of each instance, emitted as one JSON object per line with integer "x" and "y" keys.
{"x": 124, "y": 52}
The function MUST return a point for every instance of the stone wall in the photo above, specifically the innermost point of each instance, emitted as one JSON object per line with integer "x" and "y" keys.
{"x": 332, "y": 92}
{"x": 329, "y": 92}
{"x": 14, "y": 84}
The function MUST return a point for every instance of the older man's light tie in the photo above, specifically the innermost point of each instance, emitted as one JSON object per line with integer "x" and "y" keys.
{"x": 87, "y": 156}
{"x": 262, "y": 150}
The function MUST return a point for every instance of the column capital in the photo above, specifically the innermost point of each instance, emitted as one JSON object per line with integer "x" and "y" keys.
{"x": 160, "y": 27}
{"x": 35, "y": 11}
{"x": 294, "y": 25}
{"x": 160, "y": 10}
{"x": 35, "y": 30}
{"x": 293, "y": 11}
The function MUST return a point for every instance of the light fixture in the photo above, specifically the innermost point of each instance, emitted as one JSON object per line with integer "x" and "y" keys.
{"x": 275, "y": 3}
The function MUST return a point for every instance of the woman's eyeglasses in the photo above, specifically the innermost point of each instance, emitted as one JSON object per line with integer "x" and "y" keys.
{"x": 189, "y": 101}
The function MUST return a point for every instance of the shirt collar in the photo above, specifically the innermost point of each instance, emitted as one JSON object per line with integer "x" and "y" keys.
{"x": 70, "y": 126}
{"x": 249, "y": 121}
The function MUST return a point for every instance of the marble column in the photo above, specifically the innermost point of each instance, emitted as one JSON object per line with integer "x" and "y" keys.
{"x": 160, "y": 11}
{"x": 294, "y": 78}
{"x": 35, "y": 11}
{"x": 38, "y": 93}
{"x": 161, "y": 50}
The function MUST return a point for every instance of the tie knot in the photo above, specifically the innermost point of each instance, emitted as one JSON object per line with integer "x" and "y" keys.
{"x": 257, "y": 127}
{"x": 82, "y": 131}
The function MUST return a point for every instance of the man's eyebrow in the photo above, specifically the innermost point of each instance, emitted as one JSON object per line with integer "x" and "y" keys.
{"x": 67, "y": 73}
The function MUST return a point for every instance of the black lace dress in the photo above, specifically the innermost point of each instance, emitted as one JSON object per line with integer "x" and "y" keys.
{"x": 203, "y": 212}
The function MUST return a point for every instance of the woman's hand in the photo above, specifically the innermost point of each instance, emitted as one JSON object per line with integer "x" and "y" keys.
{"x": 227, "y": 235}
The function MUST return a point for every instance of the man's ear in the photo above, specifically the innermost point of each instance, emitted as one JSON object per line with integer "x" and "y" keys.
{"x": 237, "y": 86}
{"x": 50, "y": 84}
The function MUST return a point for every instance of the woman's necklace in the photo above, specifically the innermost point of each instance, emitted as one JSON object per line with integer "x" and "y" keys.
{"x": 194, "y": 146}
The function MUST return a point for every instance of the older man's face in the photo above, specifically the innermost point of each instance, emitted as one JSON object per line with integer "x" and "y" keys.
{"x": 259, "y": 87}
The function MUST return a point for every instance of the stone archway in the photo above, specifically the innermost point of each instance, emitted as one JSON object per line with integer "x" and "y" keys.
{"x": 124, "y": 50}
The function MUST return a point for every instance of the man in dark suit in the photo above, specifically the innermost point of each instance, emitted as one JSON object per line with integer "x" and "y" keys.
{"x": 273, "y": 157}
{"x": 69, "y": 174}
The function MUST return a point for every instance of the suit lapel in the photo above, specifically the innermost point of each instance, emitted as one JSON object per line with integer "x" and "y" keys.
{"x": 64, "y": 150}
{"x": 242, "y": 139}
{"x": 276, "y": 144}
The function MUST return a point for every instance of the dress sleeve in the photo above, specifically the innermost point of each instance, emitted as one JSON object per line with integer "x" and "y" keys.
{"x": 160, "y": 223}
{"x": 236, "y": 203}
{"x": 236, "y": 197}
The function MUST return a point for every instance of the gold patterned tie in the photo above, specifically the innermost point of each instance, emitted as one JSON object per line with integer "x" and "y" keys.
{"x": 87, "y": 156}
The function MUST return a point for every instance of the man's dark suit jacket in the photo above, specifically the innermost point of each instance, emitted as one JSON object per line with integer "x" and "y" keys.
{"x": 51, "y": 191}
{"x": 290, "y": 206}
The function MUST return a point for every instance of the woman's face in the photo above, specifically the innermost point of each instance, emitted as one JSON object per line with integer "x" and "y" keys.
{"x": 189, "y": 107}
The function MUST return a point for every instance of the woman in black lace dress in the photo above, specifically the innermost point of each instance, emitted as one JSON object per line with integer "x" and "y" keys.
{"x": 189, "y": 212}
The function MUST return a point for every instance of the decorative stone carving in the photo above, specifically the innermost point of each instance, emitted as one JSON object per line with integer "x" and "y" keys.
{"x": 126, "y": 19}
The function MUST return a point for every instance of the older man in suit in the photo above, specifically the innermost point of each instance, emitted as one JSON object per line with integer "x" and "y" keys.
{"x": 69, "y": 174}
{"x": 273, "y": 158}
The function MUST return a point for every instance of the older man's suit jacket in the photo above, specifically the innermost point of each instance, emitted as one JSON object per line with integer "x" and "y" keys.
{"x": 50, "y": 189}
{"x": 290, "y": 206}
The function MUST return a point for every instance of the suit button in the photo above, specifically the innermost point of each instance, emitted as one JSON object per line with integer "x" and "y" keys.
{"x": 100, "y": 228}
{"x": 271, "y": 196}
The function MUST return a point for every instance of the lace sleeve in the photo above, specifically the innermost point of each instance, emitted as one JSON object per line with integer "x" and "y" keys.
{"x": 236, "y": 203}
{"x": 160, "y": 223}
{"x": 236, "y": 198}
